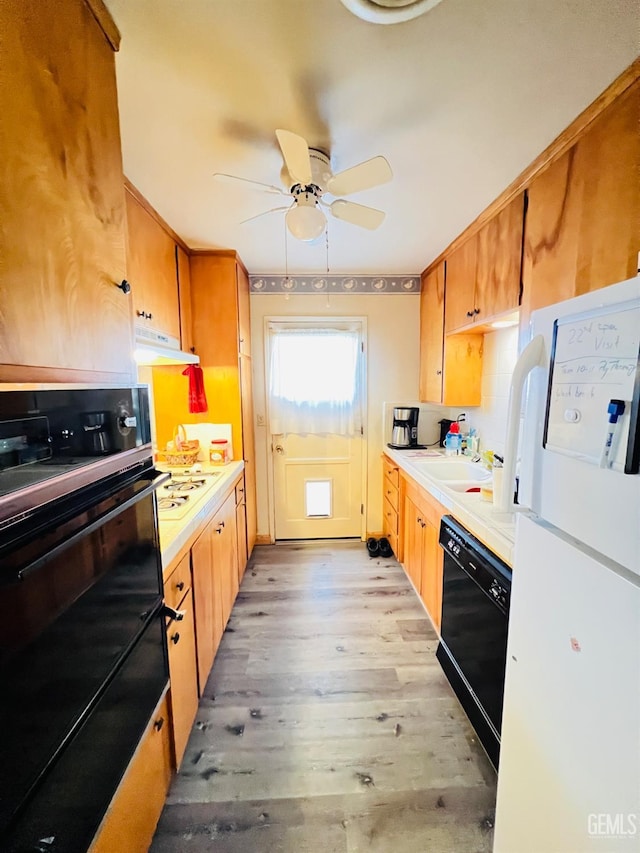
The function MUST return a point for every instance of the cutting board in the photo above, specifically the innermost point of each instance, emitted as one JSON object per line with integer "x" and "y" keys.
{"x": 206, "y": 433}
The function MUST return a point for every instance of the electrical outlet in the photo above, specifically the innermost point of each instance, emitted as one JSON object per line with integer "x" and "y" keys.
{"x": 260, "y": 420}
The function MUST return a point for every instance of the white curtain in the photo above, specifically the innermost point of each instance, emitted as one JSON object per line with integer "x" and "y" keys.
{"x": 313, "y": 381}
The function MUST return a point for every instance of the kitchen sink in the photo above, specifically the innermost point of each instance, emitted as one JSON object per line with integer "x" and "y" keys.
{"x": 452, "y": 470}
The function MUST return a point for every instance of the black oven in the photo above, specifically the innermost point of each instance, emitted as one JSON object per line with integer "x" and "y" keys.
{"x": 83, "y": 660}
{"x": 475, "y": 615}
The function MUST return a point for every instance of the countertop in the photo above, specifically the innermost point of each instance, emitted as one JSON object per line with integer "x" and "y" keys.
{"x": 174, "y": 535}
{"x": 495, "y": 529}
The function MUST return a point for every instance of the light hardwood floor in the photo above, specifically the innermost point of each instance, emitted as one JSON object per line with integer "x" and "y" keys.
{"x": 327, "y": 724}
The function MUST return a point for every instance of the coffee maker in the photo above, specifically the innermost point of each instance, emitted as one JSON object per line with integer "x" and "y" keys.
{"x": 405, "y": 428}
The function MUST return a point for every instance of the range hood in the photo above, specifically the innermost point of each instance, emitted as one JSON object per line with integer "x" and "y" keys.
{"x": 156, "y": 349}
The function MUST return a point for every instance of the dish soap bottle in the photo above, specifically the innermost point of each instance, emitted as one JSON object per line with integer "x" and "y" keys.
{"x": 453, "y": 440}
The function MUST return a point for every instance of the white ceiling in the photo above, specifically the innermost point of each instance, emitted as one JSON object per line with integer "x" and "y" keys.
{"x": 459, "y": 100}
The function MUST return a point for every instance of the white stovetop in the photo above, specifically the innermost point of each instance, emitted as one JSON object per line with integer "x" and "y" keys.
{"x": 175, "y": 532}
{"x": 495, "y": 529}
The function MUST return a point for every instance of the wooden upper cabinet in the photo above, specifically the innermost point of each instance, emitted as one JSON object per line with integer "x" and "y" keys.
{"x": 499, "y": 262}
{"x": 62, "y": 229}
{"x": 461, "y": 285}
{"x": 151, "y": 270}
{"x": 451, "y": 365}
{"x": 184, "y": 294}
{"x": 432, "y": 334}
{"x": 483, "y": 274}
{"x": 583, "y": 220}
{"x": 244, "y": 312}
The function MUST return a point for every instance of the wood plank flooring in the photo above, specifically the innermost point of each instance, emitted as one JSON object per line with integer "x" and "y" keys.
{"x": 327, "y": 725}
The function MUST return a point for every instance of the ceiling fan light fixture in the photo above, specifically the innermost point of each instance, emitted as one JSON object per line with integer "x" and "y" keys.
{"x": 389, "y": 11}
{"x": 306, "y": 222}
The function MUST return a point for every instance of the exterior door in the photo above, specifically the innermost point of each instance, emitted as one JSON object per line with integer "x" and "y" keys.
{"x": 317, "y": 435}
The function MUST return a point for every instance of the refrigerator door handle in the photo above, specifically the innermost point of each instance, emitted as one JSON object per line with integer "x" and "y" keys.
{"x": 533, "y": 355}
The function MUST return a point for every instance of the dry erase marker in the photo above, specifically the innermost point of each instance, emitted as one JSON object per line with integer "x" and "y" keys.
{"x": 615, "y": 411}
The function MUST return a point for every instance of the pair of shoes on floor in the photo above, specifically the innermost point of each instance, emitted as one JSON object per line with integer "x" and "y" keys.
{"x": 379, "y": 547}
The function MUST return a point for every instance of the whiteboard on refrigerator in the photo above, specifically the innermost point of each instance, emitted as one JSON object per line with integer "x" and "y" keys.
{"x": 595, "y": 357}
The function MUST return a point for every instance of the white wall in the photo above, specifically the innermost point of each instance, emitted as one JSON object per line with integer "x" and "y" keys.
{"x": 490, "y": 418}
{"x": 393, "y": 346}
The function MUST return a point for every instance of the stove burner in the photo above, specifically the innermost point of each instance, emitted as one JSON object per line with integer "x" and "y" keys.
{"x": 172, "y": 501}
{"x": 185, "y": 485}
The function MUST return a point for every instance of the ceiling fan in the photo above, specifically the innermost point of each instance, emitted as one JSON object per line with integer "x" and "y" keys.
{"x": 307, "y": 172}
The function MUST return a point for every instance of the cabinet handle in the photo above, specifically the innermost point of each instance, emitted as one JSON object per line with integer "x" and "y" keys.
{"x": 419, "y": 521}
{"x": 438, "y": 373}
{"x": 469, "y": 313}
{"x": 172, "y": 613}
{"x": 219, "y": 529}
{"x": 180, "y": 586}
{"x": 476, "y": 310}
{"x": 175, "y": 638}
{"x": 149, "y": 316}
{"x": 159, "y": 723}
{"x": 124, "y": 286}
{"x": 140, "y": 314}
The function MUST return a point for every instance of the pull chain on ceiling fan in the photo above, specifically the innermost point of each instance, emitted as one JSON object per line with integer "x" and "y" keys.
{"x": 310, "y": 176}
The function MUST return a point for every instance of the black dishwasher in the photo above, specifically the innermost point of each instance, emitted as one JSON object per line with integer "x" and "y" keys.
{"x": 475, "y": 615}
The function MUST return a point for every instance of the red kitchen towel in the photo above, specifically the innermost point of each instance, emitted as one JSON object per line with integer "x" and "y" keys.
{"x": 197, "y": 395}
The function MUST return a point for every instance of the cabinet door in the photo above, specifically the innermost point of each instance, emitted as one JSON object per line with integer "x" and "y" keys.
{"x": 183, "y": 674}
{"x": 225, "y": 563}
{"x": 248, "y": 450}
{"x": 184, "y": 299}
{"x": 413, "y": 524}
{"x": 241, "y": 535}
{"x": 134, "y": 811}
{"x": 62, "y": 227}
{"x": 581, "y": 230}
{"x": 431, "y": 335}
{"x": 431, "y": 578}
{"x": 499, "y": 262}
{"x": 244, "y": 313}
{"x": 206, "y": 602}
{"x": 151, "y": 268}
{"x": 461, "y": 282}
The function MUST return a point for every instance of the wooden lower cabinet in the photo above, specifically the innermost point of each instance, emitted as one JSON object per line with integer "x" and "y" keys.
{"x": 183, "y": 669}
{"x": 241, "y": 529}
{"x": 391, "y": 505}
{"x": 214, "y": 565}
{"x": 131, "y": 819}
{"x": 423, "y": 557}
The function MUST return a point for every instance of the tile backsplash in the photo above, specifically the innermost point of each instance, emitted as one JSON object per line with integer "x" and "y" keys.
{"x": 490, "y": 418}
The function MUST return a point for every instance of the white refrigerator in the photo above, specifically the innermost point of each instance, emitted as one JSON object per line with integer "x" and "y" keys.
{"x": 569, "y": 775}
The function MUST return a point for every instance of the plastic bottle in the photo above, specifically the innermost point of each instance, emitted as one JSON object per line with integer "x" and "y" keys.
{"x": 453, "y": 440}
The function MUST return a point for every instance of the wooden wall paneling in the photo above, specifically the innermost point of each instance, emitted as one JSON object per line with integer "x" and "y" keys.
{"x": 62, "y": 220}
{"x": 498, "y": 271}
{"x": 183, "y": 269}
{"x": 432, "y": 334}
{"x": 151, "y": 268}
{"x": 461, "y": 281}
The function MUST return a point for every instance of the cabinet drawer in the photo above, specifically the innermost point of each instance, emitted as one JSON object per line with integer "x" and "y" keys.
{"x": 390, "y": 493}
{"x": 390, "y": 519}
{"x": 391, "y": 471}
{"x": 178, "y": 583}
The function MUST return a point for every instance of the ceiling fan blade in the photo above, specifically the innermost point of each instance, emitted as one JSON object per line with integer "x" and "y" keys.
{"x": 296, "y": 156}
{"x": 357, "y": 214}
{"x": 264, "y": 213}
{"x": 231, "y": 179}
{"x": 365, "y": 175}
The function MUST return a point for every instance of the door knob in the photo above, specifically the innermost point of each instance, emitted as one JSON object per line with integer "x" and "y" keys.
{"x": 279, "y": 448}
